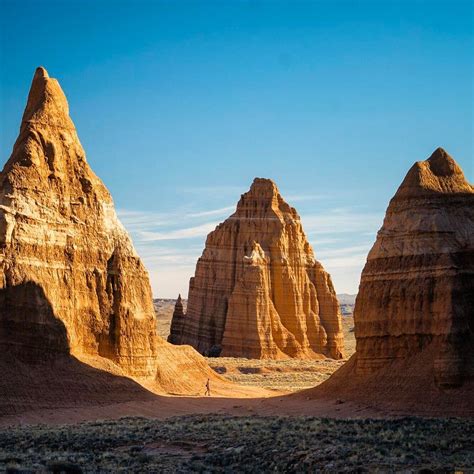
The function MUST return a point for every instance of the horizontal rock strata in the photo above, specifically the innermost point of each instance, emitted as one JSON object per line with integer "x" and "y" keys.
{"x": 417, "y": 287}
{"x": 258, "y": 291}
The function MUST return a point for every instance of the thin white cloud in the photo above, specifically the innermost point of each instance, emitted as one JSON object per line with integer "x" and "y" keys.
{"x": 213, "y": 212}
{"x": 176, "y": 260}
{"x": 342, "y": 221}
{"x": 356, "y": 260}
{"x": 177, "y": 234}
{"x": 290, "y": 198}
{"x": 155, "y": 256}
{"x": 213, "y": 190}
{"x": 341, "y": 238}
{"x": 138, "y": 219}
{"x": 344, "y": 251}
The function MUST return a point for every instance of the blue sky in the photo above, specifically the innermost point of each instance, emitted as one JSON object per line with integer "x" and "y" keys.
{"x": 179, "y": 105}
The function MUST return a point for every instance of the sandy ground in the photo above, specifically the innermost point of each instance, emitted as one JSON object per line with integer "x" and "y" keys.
{"x": 264, "y": 386}
{"x": 282, "y": 375}
{"x": 265, "y": 390}
{"x": 165, "y": 407}
{"x": 128, "y": 399}
{"x": 258, "y": 381}
{"x": 162, "y": 407}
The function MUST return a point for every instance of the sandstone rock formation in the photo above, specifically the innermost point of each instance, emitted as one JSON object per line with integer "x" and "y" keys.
{"x": 413, "y": 315}
{"x": 258, "y": 291}
{"x": 417, "y": 287}
{"x": 70, "y": 279}
{"x": 177, "y": 321}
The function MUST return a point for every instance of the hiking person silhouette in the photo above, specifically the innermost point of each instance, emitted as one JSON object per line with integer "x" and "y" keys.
{"x": 208, "y": 389}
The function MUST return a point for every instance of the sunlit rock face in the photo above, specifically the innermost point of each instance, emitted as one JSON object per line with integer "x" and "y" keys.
{"x": 417, "y": 287}
{"x": 258, "y": 291}
{"x": 70, "y": 279}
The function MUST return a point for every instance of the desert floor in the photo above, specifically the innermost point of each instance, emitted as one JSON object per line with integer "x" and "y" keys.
{"x": 282, "y": 375}
{"x": 277, "y": 431}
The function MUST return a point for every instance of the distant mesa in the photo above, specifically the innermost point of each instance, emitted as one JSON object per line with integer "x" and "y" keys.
{"x": 258, "y": 291}
{"x": 70, "y": 280}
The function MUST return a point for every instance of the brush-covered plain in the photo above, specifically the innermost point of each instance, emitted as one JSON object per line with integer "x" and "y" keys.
{"x": 245, "y": 444}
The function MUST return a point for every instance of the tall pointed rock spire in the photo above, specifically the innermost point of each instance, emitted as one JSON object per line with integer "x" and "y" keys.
{"x": 70, "y": 279}
{"x": 46, "y": 101}
{"x": 177, "y": 322}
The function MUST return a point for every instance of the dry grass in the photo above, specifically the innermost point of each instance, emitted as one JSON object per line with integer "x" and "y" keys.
{"x": 217, "y": 444}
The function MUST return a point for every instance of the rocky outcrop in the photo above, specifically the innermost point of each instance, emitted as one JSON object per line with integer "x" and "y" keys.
{"x": 177, "y": 321}
{"x": 258, "y": 291}
{"x": 417, "y": 287}
{"x": 70, "y": 279}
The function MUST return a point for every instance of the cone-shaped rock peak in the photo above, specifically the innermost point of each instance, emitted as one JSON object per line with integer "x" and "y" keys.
{"x": 47, "y": 102}
{"x": 262, "y": 198}
{"x": 41, "y": 73}
{"x": 263, "y": 188}
{"x": 71, "y": 282}
{"x": 179, "y": 303}
{"x": 258, "y": 292}
{"x": 417, "y": 287}
{"x": 439, "y": 174}
{"x": 442, "y": 163}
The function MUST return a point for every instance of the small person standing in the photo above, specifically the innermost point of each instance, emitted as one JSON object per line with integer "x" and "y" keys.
{"x": 208, "y": 388}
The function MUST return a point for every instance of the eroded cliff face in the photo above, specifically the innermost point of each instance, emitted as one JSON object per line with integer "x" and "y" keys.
{"x": 59, "y": 231}
{"x": 417, "y": 287}
{"x": 70, "y": 279}
{"x": 258, "y": 291}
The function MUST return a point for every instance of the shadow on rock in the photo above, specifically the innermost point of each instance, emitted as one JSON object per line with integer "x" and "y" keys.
{"x": 36, "y": 367}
